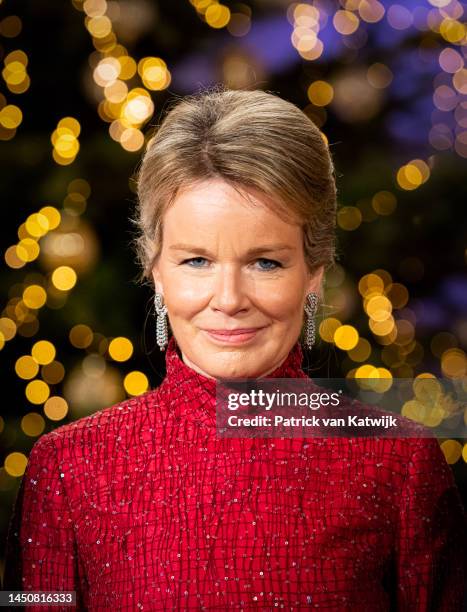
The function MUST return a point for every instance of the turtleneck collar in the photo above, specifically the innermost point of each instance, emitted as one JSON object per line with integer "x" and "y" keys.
{"x": 193, "y": 395}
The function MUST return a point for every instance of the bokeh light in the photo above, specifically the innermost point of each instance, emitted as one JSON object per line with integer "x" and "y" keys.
{"x": 55, "y": 408}
{"x": 64, "y": 278}
{"x": 37, "y": 391}
{"x": 26, "y": 367}
{"x": 15, "y": 464}
{"x": 135, "y": 383}
{"x": 33, "y": 424}
{"x": 120, "y": 349}
{"x": 43, "y": 352}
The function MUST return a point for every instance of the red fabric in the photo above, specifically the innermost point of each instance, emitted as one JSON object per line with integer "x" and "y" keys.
{"x": 141, "y": 507}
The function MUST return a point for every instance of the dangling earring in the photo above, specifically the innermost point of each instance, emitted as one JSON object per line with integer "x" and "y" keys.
{"x": 310, "y": 310}
{"x": 162, "y": 330}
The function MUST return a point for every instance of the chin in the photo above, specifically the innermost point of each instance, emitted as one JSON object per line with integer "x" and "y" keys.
{"x": 235, "y": 367}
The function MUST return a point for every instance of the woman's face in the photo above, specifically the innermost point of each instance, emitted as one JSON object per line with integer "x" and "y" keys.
{"x": 234, "y": 279}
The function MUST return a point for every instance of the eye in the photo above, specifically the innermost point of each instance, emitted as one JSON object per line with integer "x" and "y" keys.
{"x": 263, "y": 263}
{"x": 268, "y": 264}
{"x": 195, "y": 262}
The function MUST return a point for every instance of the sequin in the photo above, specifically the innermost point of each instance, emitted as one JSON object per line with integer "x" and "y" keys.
{"x": 141, "y": 506}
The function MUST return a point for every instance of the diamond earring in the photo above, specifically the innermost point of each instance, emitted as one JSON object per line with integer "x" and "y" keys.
{"x": 310, "y": 309}
{"x": 162, "y": 330}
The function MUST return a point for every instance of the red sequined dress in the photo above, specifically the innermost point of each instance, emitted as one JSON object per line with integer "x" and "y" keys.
{"x": 141, "y": 507}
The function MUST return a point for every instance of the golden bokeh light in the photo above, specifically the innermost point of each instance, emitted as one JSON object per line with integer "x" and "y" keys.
{"x": 95, "y": 8}
{"x": 116, "y": 92}
{"x": 53, "y": 372}
{"x": 120, "y": 349}
{"x": 320, "y": 93}
{"x": 452, "y": 450}
{"x": 306, "y": 41}
{"x": 99, "y": 27}
{"x": 384, "y": 373}
{"x": 412, "y": 175}
{"x": 366, "y": 371}
{"x": 37, "y": 225}
{"x": 37, "y": 391}
{"x": 384, "y": 202}
{"x": 107, "y": 71}
{"x": 137, "y": 108}
{"x": 459, "y": 80}
{"x": 349, "y": 218}
{"x": 27, "y": 250}
{"x": 378, "y": 307}
{"x": 328, "y": 327}
{"x": 7, "y": 328}
{"x": 382, "y": 328}
{"x": 370, "y": 284}
{"x": 34, "y": 296}
{"x": 132, "y": 139}
{"x": 56, "y": 408}
{"x": 15, "y": 75}
{"x": 452, "y": 30}
{"x": 10, "y": 26}
{"x": 397, "y": 294}
{"x": 65, "y": 141}
{"x": 33, "y": 424}
{"x": 15, "y": 464}
{"x": 154, "y": 73}
{"x": 11, "y": 258}
{"x": 43, "y": 352}
{"x": 346, "y": 337}
{"x": 414, "y": 410}
{"x": 361, "y": 351}
{"x": 16, "y": 56}
{"x": 454, "y": 363}
{"x": 81, "y": 336}
{"x": 136, "y": 383}
{"x": 384, "y": 276}
{"x": 64, "y": 278}
{"x": 128, "y": 67}
{"x": 26, "y": 367}
{"x": 53, "y": 216}
{"x": 10, "y": 116}
{"x": 217, "y": 15}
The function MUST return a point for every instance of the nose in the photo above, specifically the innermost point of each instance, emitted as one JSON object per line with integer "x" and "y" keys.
{"x": 229, "y": 294}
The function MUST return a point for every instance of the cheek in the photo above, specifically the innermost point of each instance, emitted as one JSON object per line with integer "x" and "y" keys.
{"x": 283, "y": 300}
{"x": 184, "y": 296}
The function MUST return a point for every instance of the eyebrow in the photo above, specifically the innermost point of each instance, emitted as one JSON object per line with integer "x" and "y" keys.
{"x": 267, "y": 248}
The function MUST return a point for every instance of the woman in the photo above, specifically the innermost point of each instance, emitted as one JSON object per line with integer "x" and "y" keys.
{"x": 141, "y": 506}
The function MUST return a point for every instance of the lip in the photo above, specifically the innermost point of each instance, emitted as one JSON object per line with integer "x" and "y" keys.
{"x": 233, "y": 336}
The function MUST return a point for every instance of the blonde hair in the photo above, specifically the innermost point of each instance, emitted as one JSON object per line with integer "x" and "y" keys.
{"x": 253, "y": 140}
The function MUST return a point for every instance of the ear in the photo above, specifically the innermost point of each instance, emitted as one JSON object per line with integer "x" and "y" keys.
{"x": 315, "y": 280}
{"x": 156, "y": 275}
